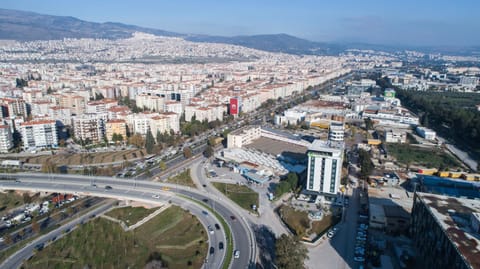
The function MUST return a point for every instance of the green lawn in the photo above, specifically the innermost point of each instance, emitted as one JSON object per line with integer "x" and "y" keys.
{"x": 174, "y": 236}
{"x": 299, "y": 223}
{"x": 432, "y": 158}
{"x": 130, "y": 215}
{"x": 296, "y": 220}
{"x": 182, "y": 178}
{"x": 240, "y": 194}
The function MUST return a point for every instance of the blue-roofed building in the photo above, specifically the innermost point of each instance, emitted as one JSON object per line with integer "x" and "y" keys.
{"x": 448, "y": 186}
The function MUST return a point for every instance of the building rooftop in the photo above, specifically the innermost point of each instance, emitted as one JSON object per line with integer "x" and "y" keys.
{"x": 453, "y": 215}
{"x": 321, "y": 145}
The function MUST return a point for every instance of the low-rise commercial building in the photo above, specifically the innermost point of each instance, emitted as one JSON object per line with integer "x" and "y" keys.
{"x": 426, "y": 133}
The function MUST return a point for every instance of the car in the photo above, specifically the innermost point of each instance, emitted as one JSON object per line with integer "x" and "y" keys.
{"x": 236, "y": 254}
{"x": 359, "y": 259}
{"x": 210, "y": 230}
{"x": 233, "y": 218}
{"x": 330, "y": 234}
{"x": 108, "y": 187}
{"x": 217, "y": 226}
{"x": 156, "y": 196}
{"x": 17, "y": 181}
{"x": 94, "y": 185}
{"x": 220, "y": 245}
{"x": 204, "y": 212}
{"x": 212, "y": 250}
{"x": 205, "y": 200}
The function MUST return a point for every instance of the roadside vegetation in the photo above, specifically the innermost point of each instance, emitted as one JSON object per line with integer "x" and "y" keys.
{"x": 173, "y": 239}
{"x": 290, "y": 253}
{"x": 240, "y": 194}
{"x": 130, "y": 215}
{"x": 183, "y": 178}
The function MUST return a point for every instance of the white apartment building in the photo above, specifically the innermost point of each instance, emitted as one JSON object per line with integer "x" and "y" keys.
{"x": 395, "y": 136}
{"x": 173, "y": 106}
{"x": 39, "y": 134}
{"x": 243, "y": 136}
{"x": 62, "y": 114}
{"x": 324, "y": 168}
{"x": 150, "y": 102}
{"x": 209, "y": 114}
{"x": 100, "y": 106}
{"x": 90, "y": 127}
{"x": 6, "y": 140}
{"x": 336, "y": 131}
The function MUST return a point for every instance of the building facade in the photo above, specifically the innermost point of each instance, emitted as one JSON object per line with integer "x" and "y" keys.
{"x": 6, "y": 140}
{"x": 443, "y": 232}
{"x": 39, "y": 134}
{"x": 324, "y": 167}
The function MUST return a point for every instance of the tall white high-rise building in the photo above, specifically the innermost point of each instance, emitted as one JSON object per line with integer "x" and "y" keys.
{"x": 324, "y": 167}
{"x": 6, "y": 140}
{"x": 39, "y": 134}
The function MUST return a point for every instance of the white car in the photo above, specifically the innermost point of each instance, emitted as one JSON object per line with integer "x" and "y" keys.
{"x": 236, "y": 254}
{"x": 359, "y": 259}
{"x": 156, "y": 196}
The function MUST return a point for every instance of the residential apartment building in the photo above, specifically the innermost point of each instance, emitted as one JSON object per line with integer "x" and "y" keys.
{"x": 445, "y": 231}
{"x": 13, "y": 107}
{"x": 90, "y": 127}
{"x": 210, "y": 113}
{"x": 116, "y": 126}
{"x": 6, "y": 140}
{"x": 324, "y": 168}
{"x": 150, "y": 102}
{"x": 39, "y": 134}
{"x": 243, "y": 136}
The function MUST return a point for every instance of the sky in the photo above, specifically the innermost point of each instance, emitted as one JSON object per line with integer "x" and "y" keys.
{"x": 386, "y": 22}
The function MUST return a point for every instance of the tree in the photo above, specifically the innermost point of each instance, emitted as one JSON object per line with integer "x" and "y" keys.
{"x": 35, "y": 226}
{"x": 366, "y": 165}
{"x": 8, "y": 239}
{"x": 137, "y": 140}
{"x": 26, "y": 198}
{"x": 368, "y": 124}
{"x": 20, "y": 83}
{"x": 117, "y": 138}
{"x": 187, "y": 152}
{"x": 290, "y": 252}
{"x": 149, "y": 142}
{"x": 292, "y": 180}
{"x": 162, "y": 166}
{"x": 208, "y": 152}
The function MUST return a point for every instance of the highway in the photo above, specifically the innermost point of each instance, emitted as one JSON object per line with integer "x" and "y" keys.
{"x": 16, "y": 260}
{"x": 143, "y": 191}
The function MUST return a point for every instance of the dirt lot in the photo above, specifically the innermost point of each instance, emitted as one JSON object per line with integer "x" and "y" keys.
{"x": 88, "y": 158}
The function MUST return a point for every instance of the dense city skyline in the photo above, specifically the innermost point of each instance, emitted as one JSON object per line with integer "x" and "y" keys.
{"x": 441, "y": 23}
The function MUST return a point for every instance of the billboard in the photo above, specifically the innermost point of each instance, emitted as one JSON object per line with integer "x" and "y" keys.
{"x": 233, "y": 106}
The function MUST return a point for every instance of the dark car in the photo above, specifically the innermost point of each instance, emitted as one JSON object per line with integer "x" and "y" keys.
{"x": 205, "y": 200}
{"x": 233, "y": 218}
{"x": 220, "y": 245}
{"x": 217, "y": 226}
{"x": 212, "y": 250}
{"x": 108, "y": 187}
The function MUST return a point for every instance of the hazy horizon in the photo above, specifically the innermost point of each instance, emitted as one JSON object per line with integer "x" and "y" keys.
{"x": 405, "y": 23}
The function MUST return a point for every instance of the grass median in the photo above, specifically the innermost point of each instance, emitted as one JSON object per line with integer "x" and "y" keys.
{"x": 240, "y": 194}
{"x": 174, "y": 238}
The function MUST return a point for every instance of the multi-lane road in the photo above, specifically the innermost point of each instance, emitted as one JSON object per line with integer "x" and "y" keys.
{"x": 144, "y": 191}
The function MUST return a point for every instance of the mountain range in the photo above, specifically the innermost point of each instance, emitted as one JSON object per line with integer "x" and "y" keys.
{"x": 28, "y": 26}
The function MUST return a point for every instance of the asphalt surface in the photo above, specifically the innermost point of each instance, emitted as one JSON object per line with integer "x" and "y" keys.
{"x": 143, "y": 191}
